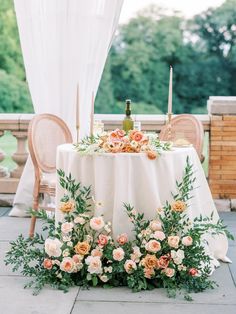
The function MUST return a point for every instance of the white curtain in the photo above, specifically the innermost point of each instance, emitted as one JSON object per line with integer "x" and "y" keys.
{"x": 64, "y": 43}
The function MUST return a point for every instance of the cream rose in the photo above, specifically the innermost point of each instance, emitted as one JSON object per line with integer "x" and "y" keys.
{"x": 169, "y": 272}
{"x": 118, "y": 254}
{"x": 96, "y": 252}
{"x": 187, "y": 241}
{"x": 67, "y": 265}
{"x": 94, "y": 264}
{"x": 97, "y": 223}
{"x": 67, "y": 227}
{"x": 155, "y": 225}
{"x": 104, "y": 278}
{"x": 130, "y": 266}
{"x": 53, "y": 247}
{"x": 153, "y": 246}
{"x": 177, "y": 256}
{"x": 136, "y": 254}
{"x": 173, "y": 241}
{"x": 159, "y": 235}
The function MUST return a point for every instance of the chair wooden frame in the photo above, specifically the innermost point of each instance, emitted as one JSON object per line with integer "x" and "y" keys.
{"x": 41, "y": 167}
{"x": 186, "y": 121}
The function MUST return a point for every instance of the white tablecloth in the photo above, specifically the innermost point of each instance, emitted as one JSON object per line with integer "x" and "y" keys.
{"x": 143, "y": 183}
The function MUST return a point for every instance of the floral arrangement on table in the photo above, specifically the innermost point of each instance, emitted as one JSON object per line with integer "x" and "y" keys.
{"x": 118, "y": 141}
{"x": 167, "y": 251}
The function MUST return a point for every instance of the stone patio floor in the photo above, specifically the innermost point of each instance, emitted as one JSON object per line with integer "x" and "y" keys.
{"x": 14, "y": 299}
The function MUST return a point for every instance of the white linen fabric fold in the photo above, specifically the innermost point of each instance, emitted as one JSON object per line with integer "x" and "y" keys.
{"x": 64, "y": 43}
{"x": 143, "y": 183}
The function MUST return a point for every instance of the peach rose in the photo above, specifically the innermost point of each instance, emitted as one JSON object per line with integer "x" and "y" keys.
{"x": 149, "y": 261}
{"x": 122, "y": 238}
{"x": 169, "y": 272}
{"x": 94, "y": 264}
{"x": 67, "y": 227}
{"x": 53, "y": 247}
{"x": 193, "y": 272}
{"x": 47, "y": 263}
{"x": 163, "y": 261}
{"x": 82, "y": 248}
{"x": 178, "y": 206}
{"x": 130, "y": 266}
{"x": 96, "y": 252}
{"x": 118, "y": 254}
{"x": 153, "y": 246}
{"x": 102, "y": 240}
{"x": 155, "y": 225}
{"x": 187, "y": 241}
{"x": 148, "y": 272}
{"x": 159, "y": 235}
{"x": 152, "y": 154}
{"x": 67, "y": 207}
{"x": 67, "y": 265}
{"x": 138, "y": 136}
{"x": 97, "y": 223}
{"x": 173, "y": 241}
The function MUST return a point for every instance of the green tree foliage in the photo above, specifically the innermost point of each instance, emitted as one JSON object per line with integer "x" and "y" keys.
{"x": 202, "y": 52}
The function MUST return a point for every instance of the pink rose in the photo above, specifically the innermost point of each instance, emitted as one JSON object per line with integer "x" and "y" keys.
{"x": 102, "y": 240}
{"x": 153, "y": 246}
{"x": 77, "y": 258}
{"x": 169, "y": 272}
{"x": 47, "y": 263}
{"x": 130, "y": 266}
{"x": 173, "y": 241}
{"x": 118, "y": 254}
{"x": 122, "y": 238}
{"x": 97, "y": 223}
{"x": 187, "y": 241}
{"x": 155, "y": 225}
{"x": 67, "y": 265}
{"x": 159, "y": 235}
{"x": 193, "y": 272}
{"x": 163, "y": 261}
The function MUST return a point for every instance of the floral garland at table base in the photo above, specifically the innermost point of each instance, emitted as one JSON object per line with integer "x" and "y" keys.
{"x": 167, "y": 251}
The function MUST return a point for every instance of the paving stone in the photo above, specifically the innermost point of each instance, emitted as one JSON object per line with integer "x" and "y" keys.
{"x": 150, "y": 308}
{"x": 5, "y": 270}
{"x": 222, "y": 205}
{"x": 224, "y": 294}
{"x": 4, "y": 211}
{"x": 232, "y": 267}
{"x": 15, "y": 299}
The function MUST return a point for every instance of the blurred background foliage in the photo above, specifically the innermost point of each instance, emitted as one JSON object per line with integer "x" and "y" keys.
{"x": 201, "y": 50}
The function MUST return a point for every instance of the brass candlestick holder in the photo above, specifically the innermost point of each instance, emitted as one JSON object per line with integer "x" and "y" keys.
{"x": 168, "y": 122}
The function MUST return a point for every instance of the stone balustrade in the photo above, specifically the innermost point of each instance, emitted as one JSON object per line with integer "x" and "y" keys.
{"x": 17, "y": 124}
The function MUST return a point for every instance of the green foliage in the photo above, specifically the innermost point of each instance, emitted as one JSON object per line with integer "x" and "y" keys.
{"x": 14, "y": 94}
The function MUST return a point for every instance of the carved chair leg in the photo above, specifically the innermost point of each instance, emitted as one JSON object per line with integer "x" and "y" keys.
{"x": 35, "y": 208}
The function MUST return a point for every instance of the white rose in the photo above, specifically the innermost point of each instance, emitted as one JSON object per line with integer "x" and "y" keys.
{"x": 177, "y": 256}
{"x": 79, "y": 220}
{"x": 53, "y": 247}
{"x": 104, "y": 278}
{"x": 67, "y": 227}
{"x": 159, "y": 235}
{"x": 155, "y": 225}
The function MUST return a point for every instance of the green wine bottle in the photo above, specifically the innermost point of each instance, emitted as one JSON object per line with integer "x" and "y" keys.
{"x": 128, "y": 123}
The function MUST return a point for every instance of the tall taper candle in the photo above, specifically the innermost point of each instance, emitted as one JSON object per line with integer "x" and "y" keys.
{"x": 92, "y": 115}
{"x": 77, "y": 114}
{"x": 170, "y": 92}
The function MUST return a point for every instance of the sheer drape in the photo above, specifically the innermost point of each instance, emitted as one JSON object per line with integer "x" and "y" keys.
{"x": 64, "y": 43}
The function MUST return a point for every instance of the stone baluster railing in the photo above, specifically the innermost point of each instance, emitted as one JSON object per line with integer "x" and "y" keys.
{"x": 17, "y": 124}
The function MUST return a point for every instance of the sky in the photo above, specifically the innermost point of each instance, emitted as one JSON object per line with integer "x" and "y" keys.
{"x": 187, "y": 7}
